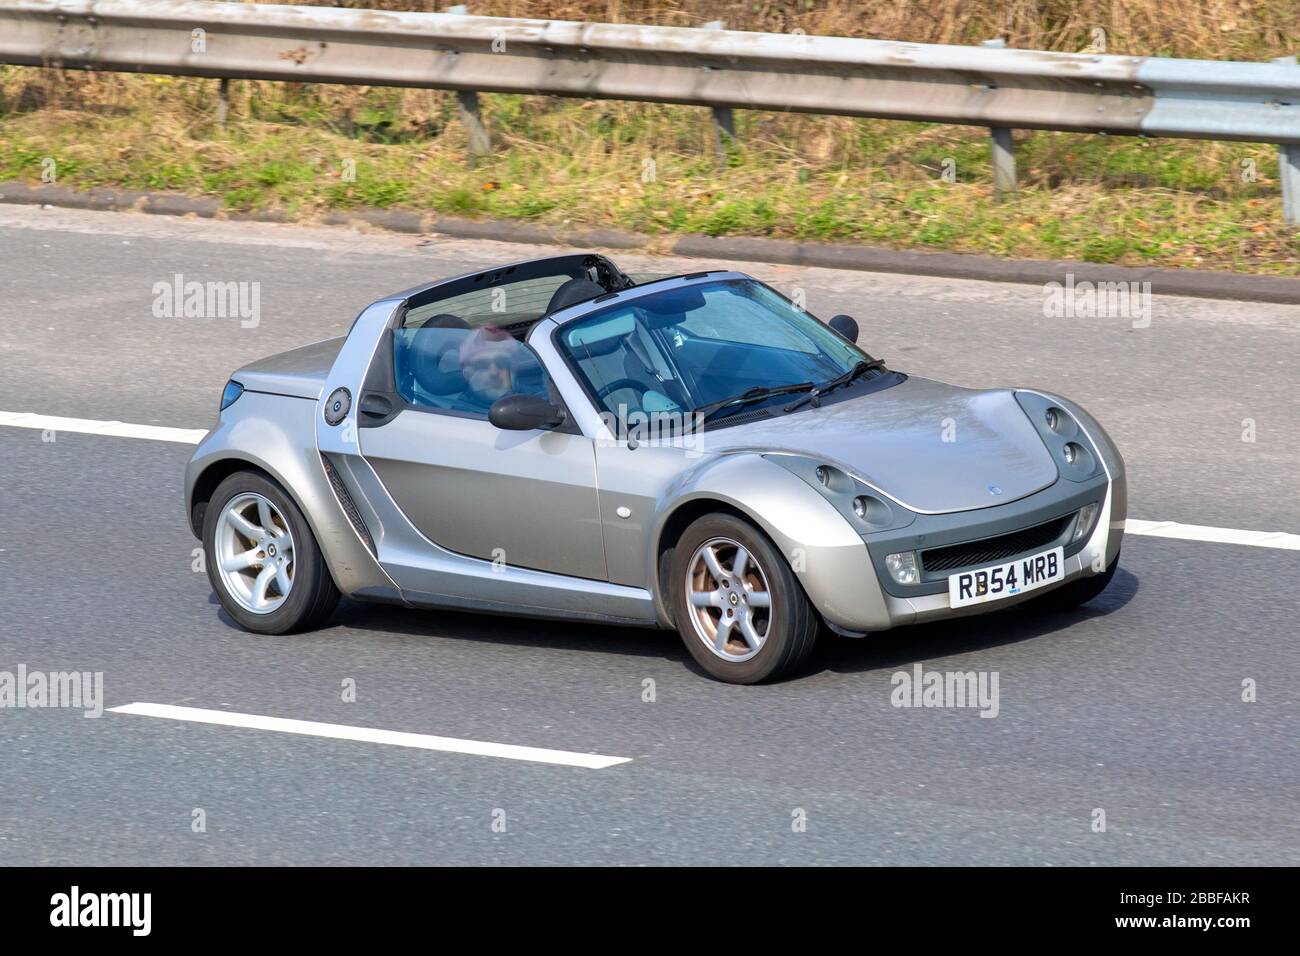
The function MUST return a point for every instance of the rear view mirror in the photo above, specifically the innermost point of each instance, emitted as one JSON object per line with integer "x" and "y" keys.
{"x": 845, "y": 326}
{"x": 521, "y": 413}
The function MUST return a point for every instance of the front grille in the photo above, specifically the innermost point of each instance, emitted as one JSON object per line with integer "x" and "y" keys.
{"x": 989, "y": 550}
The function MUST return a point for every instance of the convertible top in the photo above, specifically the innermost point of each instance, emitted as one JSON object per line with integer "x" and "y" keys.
{"x": 513, "y": 296}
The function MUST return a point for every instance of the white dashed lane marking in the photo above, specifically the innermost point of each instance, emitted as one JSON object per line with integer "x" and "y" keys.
{"x": 192, "y": 436}
{"x": 393, "y": 738}
{"x": 1200, "y": 532}
{"x": 87, "y": 426}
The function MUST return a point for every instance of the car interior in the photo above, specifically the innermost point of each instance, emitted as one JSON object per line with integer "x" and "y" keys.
{"x": 458, "y": 346}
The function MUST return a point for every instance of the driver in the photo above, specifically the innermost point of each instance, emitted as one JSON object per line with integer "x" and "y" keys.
{"x": 487, "y": 360}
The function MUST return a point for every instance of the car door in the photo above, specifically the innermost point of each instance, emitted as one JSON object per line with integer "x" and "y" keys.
{"x": 523, "y": 499}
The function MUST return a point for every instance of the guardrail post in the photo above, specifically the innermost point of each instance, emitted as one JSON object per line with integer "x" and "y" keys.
{"x": 1288, "y": 162}
{"x": 1001, "y": 148}
{"x": 223, "y": 100}
{"x": 471, "y": 117}
{"x": 724, "y": 120}
{"x": 480, "y": 144}
{"x": 1288, "y": 171}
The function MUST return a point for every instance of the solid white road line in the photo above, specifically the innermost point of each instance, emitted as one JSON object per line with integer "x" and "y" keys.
{"x": 1199, "y": 532}
{"x": 87, "y": 426}
{"x": 395, "y": 738}
{"x": 192, "y": 436}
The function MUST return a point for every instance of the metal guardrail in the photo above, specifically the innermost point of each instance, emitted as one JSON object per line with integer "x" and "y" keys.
{"x": 987, "y": 86}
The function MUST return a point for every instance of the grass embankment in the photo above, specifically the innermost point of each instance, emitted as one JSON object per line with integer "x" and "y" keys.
{"x": 649, "y": 168}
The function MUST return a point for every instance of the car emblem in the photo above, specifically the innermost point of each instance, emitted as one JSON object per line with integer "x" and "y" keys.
{"x": 994, "y": 490}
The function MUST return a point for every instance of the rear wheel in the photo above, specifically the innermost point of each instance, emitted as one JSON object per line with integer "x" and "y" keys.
{"x": 1077, "y": 592}
{"x": 737, "y": 605}
{"x": 262, "y": 559}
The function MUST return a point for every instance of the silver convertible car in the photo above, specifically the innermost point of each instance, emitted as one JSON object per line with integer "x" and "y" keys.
{"x": 555, "y": 439}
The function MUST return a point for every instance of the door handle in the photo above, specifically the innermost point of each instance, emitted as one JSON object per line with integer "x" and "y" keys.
{"x": 376, "y": 406}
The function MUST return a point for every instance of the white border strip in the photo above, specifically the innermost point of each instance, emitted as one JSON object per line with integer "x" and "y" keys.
{"x": 1199, "y": 532}
{"x": 192, "y": 436}
{"x": 88, "y": 426}
{"x": 394, "y": 738}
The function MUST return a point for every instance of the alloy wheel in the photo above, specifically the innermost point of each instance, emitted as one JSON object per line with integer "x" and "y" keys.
{"x": 728, "y": 599}
{"x": 254, "y": 553}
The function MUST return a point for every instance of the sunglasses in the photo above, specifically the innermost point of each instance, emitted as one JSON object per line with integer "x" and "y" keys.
{"x": 498, "y": 364}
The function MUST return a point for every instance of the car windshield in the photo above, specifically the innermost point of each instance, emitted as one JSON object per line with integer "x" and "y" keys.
{"x": 694, "y": 346}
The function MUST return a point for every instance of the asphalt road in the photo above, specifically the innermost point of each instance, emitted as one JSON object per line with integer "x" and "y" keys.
{"x": 1131, "y": 705}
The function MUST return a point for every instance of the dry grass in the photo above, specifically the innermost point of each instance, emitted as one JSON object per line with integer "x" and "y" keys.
{"x": 1215, "y": 29}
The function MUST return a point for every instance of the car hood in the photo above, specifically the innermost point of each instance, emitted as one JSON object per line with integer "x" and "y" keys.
{"x": 299, "y": 372}
{"x": 894, "y": 439}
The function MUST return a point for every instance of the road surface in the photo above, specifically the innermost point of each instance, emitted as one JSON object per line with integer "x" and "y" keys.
{"x": 1132, "y": 705}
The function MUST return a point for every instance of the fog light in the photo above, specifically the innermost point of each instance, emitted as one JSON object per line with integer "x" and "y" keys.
{"x": 902, "y": 567}
{"x": 1084, "y": 521}
{"x": 1071, "y": 452}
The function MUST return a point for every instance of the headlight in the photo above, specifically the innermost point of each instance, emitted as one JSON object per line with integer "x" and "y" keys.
{"x": 867, "y": 510}
{"x": 1078, "y": 458}
{"x": 1084, "y": 521}
{"x": 902, "y": 567}
{"x": 1065, "y": 440}
{"x": 231, "y": 392}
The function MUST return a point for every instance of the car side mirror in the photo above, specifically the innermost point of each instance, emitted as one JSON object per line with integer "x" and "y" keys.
{"x": 845, "y": 326}
{"x": 521, "y": 413}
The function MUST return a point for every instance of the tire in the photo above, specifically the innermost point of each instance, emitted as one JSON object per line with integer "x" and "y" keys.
{"x": 785, "y": 628}
{"x": 1072, "y": 595}
{"x": 311, "y": 596}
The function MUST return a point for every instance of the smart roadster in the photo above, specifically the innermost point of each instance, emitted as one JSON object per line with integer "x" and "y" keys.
{"x": 554, "y": 438}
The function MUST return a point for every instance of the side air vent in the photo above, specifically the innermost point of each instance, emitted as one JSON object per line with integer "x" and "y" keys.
{"x": 349, "y": 506}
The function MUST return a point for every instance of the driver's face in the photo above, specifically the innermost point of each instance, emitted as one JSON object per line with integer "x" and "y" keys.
{"x": 488, "y": 376}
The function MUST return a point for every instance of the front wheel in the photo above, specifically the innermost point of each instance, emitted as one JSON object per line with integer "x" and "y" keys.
{"x": 262, "y": 559}
{"x": 737, "y": 605}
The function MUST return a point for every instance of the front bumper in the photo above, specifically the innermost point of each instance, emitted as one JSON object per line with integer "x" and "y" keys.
{"x": 1050, "y": 509}
{"x": 897, "y": 605}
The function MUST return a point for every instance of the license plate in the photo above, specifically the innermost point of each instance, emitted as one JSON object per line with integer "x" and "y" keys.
{"x": 1006, "y": 580}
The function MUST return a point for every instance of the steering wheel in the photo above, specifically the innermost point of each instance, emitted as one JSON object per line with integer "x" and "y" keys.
{"x": 639, "y": 387}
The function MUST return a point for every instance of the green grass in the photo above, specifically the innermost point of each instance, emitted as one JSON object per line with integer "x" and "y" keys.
{"x": 649, "y": 168}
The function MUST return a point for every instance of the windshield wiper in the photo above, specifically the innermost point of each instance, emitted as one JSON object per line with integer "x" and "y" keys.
{"x": 749, "y": 395}
{"x": 814, "y": 396}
